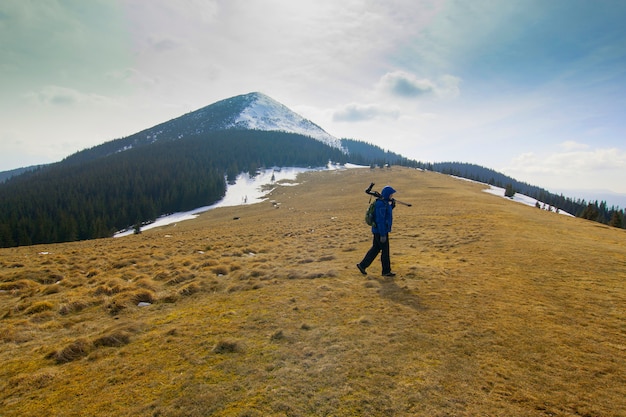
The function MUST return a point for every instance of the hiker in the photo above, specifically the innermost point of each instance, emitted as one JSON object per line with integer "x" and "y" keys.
{"x": 381, "y": 228}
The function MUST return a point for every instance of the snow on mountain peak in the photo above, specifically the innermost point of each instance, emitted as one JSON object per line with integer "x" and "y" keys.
{"x": 265, "y": 113}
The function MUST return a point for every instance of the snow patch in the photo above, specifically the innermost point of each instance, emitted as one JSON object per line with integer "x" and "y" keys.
{"x": 518, "y": 198}
{"x": 524, "y": 199}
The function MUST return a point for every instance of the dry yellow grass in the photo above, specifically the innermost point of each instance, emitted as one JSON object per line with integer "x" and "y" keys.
{"x": 498, "y": 309}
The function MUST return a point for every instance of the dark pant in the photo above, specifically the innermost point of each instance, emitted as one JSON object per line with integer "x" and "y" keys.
{"x": 371, "y": 254}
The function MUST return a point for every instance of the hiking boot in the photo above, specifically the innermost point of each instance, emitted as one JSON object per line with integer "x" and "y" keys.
{"x": 389, "y": 274}
{"x": 361, "y": 269}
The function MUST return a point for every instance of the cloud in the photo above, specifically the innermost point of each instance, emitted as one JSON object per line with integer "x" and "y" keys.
{"x": 405, "y": 85}
{"x": 571, "y": 163}
{"x": 361, "y": 112}
{"x": 402, "y": 84}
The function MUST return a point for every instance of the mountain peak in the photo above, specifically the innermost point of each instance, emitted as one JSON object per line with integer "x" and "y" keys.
{"x": 254, "y": 111}
{"x": 264, "y": 113}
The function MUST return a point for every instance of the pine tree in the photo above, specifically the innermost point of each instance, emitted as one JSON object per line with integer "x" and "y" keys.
{"x": 617, "y": 219}
{"x": 509, "y": 191}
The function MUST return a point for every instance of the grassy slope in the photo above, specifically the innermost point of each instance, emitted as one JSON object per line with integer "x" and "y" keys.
{"x": 497, "y": 309}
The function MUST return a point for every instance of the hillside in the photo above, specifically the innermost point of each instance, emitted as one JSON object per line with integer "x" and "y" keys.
{"x": 497, "y": 309}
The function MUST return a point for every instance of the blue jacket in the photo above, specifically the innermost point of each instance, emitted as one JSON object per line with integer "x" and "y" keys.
{"x": 384, "y": 212}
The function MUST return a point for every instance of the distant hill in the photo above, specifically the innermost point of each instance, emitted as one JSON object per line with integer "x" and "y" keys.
{"x": 5, "y": 175}
{"x": 590, "y": 210}
{"x": 369, "y": 154}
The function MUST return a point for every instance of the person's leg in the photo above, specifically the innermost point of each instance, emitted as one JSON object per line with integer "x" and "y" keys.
{"x": 371, "y": 254}
{"x": 385, "y": 258}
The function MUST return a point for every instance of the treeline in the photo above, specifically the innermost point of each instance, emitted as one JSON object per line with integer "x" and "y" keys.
{"x": 590, "y": 210}
{"x": 363, "y": 153}
{"x": 70, "y": 201}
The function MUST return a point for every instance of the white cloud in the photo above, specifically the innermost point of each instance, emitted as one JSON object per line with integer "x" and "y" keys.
{"x": 580, "y": 167}
{"x": 573, "y": 162}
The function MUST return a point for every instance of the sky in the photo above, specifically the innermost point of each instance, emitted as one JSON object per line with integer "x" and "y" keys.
{"x": 535, "y": 89}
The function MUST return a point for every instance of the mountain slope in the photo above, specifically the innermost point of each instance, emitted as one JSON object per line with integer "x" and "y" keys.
{"x": 253, "y": 111}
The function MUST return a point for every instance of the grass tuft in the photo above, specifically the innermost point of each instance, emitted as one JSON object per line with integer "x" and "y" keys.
{"x": 277, "y": 336}
{"x": 74, "y": 351}
{"x": 74, "y": 306}
{"x": 39, "y": 307}
{"x": 227, "y": 346}
{"x": 116, "y": 338}
{"x": 143, "y": 296}
{"x": 189, "y": 289}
